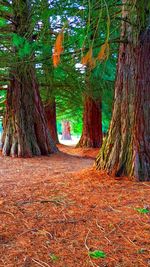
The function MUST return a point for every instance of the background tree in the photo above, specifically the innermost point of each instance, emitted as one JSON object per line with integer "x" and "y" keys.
{"x": 46, "y": 69}
{"x": 97, "y": 34}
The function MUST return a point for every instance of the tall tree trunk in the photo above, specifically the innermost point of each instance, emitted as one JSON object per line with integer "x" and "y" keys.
{"x": 25, "y": 127}
{"x": 66, "y": 135}
{"x": 48, "y": 74}
{"x": 92, "y": 110}
{"x": 92, "y": 123}
{"x": 50, "y": 111}
{"x": 126, "y": 150}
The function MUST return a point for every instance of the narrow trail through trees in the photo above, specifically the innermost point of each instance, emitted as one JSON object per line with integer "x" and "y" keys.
{"x": 19, "y": 171}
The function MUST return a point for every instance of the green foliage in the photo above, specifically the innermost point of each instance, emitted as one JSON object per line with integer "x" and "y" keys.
{"x": 17, "y": 40}
{"x": 25, "y": 50}
{"x": 4, "y": 8}
{"x": 141, "y": 251}
{"x": 2, "y": 22}
{"x": 76, "y": 125}
{"x": 96, "y": 254}
{"x": 23, "y": 45}
{"x": 53, "y": 257}
{"x": 143, "y": 10}
{"x": 85, "y": 27}
{"x": 143, "y": 210}
{"x": 2, "y": 102}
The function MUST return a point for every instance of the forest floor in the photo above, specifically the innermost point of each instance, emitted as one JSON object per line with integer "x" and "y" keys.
{"x": 54, "y": 211}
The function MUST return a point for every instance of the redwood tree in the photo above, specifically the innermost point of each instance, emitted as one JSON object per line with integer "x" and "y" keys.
{"x": 25, "y": 127}
{"x": 66, "y": 134}
{"x": 50, "y": 111}
{"x": 47, "y": 75}
{"x": 92, "y": 123}
{"x": 126, "y": 150}
{"x": 92, "y": 105}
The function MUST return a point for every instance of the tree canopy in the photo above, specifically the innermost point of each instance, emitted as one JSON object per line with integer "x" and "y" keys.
{"x": 86, "y": 28}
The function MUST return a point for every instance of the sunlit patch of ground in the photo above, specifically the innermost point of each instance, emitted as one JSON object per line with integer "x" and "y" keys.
{"x": 54, "y": 210}
{"x": 74, "y": 140}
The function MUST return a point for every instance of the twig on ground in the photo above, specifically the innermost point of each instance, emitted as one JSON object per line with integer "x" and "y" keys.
{"x": 103, "y": 231}
{"x": 7, "y": 212}
{"x": 146, "y": 184}
{"x": 86, "y": 246}
{"x": 85, "y": 241}
{"x": 27, "y": 262}
{"x": 41, "y": 263}
{"x": 115, "y": 209}
{"x": 38, "y": 201}
{"x": 28, "y": 230}
{"x": 68, "y": 221}
{"x": 126, "y": 238}
{"x": 100, "y": 227}
{"x": 57, "y": 201}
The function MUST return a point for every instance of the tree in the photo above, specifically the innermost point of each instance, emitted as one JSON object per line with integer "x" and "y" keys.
{"x": 92, "y": 108}
{"x": 25, "y": 127}
{"x": 65, "y": 84}
{"x": 97, "y": 61}
{"x": 126, "y": 150}
{"x": 66, "y": 135}
{"x": 92, "y": 124}
{"x": 50, "y": 111}
{"x": 46, "y": 78}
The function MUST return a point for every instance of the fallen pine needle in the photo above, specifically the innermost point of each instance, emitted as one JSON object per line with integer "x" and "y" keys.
{"x": 7, "y": 212}
{"x": 114, "y": 209}
{"x": 41, "y": 263}
{"x": 86, "y": 246}
{"x": 85, "y": 241}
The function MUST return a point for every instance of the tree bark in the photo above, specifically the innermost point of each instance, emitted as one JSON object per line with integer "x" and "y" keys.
{"x": 25, "y": 127}
{"x": 92, "y": 123}
{"x": 66, "y": 135}
{"x": 126, "y": 150}
{"x": 92, "y": 110}
{"x": 50, "y": 111}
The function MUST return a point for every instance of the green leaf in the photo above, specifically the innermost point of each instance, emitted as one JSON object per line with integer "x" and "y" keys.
{"x": 96, "y": 254}
{"x": 144, "y": 210}
{"x": 141, "y": 251}
{"x": 2, "y": 22}
{"x": 25, "y": 50}
{"x": 53, "y": 257}
{"x": 17, "y": 40}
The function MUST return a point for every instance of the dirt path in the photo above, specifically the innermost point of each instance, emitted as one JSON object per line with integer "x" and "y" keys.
{"x": 16, "y": 173}
{"x": 53, "y": 209}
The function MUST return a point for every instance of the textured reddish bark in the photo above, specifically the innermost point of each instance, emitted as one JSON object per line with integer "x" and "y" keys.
{"x": 66, "y": 135}
{"x": 92, "y": 123}
{"x": 126, "y": 150}
{"x": 25, "y": 127}
{"x": 141, "y": 131}
{"x": 50, "y": 111}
